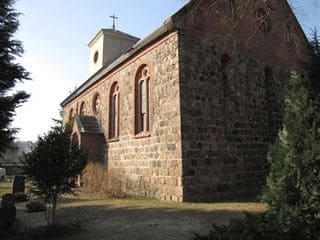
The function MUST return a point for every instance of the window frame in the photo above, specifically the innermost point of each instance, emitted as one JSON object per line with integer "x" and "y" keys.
{"x": 71, "y": 114}
{"x": 83, "y": 109}
{"x": 114, "y": 112}
{"x": 142, "y": 117}
{"x": 96, "y": 109}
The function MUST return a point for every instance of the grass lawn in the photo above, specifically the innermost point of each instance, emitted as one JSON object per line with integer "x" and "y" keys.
{"x": 5, "y": 187}
{"x": 138, "y": 218}
{"x": 130, "y": 218}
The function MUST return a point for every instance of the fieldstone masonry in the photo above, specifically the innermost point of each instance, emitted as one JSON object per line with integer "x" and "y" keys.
{"x": 215, "y": 100}
{"x": 153, "y": 162}
{"x": 231, "y": 112}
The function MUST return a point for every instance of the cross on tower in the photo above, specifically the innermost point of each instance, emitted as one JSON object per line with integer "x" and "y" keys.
{"x": 114, "y": 21}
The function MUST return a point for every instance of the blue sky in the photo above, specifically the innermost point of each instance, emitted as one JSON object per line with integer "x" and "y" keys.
{"x": 55, "y": 35}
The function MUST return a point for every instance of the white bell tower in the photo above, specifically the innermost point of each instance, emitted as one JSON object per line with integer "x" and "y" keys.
{"x": 107, "y": 46}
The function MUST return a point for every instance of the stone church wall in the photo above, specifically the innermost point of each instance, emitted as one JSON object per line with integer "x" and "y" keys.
{"x": 230, "y": 114}
{"x": 233, "y": 69}
{"x": 152, "y": 163}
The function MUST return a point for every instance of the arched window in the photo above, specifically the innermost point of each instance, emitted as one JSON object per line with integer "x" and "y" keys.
{"x": 70, "y": 114}
{"x": 83, "y": 108}
{"x": 268, "y": 76}
{"x": 96, "y": 103}
{"x": 263, "y": 19}
{"x": 114, "y": 111}
{"x": 142, "y": 92}
{"x": 75, "y": 139}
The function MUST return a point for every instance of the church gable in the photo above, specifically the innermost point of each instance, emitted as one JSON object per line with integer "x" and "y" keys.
{"x": 266, "y": 30}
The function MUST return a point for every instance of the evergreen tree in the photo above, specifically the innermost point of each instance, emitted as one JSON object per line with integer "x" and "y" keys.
{"x": 11, "y": 72}
{"x": 315, "y": 42}
{"x": 54, "y": 160}
{"x": 313, "y": 68}
{"x": 293, "y": 185}
{"x": 294, "y": 181}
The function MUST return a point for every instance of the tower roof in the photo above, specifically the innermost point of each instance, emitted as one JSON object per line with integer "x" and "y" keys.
{"x": 109, "y": 31}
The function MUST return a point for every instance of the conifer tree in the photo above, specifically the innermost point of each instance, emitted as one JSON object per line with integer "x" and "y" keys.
{"x": 293, "y": 185}
{"x": 10, "y": 72}
{"x": 54, "y": 160}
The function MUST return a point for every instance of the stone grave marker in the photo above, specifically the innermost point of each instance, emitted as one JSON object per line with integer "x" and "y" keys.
{"x": 8, "y": 216}
{"x": 18, "y": 184}
{"x": 7, "y": 201}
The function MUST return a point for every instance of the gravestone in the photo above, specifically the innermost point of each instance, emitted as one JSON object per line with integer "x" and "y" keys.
{"x": 8, "y": 216}
{"x": 7, "y": 201}
{"x": 18, "y": 189}
{"x": 18, "y": 184}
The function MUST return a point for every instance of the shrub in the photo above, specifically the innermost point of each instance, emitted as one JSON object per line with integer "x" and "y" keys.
{"x": 100, "y": 182}
{"x": 50, "y": 165}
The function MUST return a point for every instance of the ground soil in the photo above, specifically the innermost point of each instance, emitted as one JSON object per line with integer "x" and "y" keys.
{"x": 137, "y": 219}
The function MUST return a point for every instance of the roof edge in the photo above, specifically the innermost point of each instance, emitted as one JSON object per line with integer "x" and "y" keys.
{"x": 168, "y": 25}
{"x": 106, "y": 31}
{"x": 135, "y": 49}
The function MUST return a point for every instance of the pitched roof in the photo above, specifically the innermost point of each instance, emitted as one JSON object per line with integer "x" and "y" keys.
{"x": 165, "y": 28}
{"x": 88, "y": 124}
{"x": 168, "y": 26}
{"x": 112, "y": 32}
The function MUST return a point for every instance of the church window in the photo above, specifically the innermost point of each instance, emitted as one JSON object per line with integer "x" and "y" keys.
{"x": 83, "y": 108}
{"x": 288, "y": 34}
{"x": 142, "y": 85}
{"x": 75, "y": 139}
{"x": 268, "y": 76}
{"x": 263, "y": 20}
{"x": 114, "y": 111}
{"x": 232, "y": 9}
{"x": 96, "y": 103}
{"x": 70, "y": 114}
{"x": 95, "y": 57}
{"x": 225, "y": 60}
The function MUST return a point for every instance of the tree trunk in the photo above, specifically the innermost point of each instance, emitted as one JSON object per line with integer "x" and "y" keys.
{"x": 54, "y": 206}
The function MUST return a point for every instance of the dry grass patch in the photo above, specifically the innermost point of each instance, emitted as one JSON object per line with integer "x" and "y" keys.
{"x": 6, "y": 187}
{"x": 256, "y": 207}
{"x": 99, "y": 182}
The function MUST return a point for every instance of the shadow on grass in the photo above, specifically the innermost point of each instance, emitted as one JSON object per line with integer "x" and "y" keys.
{"x": 74, "y": 199}
{"x": 134, "y": 222}
{"x": 45, "y": 232}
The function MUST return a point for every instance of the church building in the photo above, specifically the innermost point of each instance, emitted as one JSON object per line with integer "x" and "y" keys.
{"x": 188, "y": 112}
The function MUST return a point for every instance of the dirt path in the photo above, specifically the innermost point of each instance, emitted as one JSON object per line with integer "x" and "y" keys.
{"x": 138, "y": 219}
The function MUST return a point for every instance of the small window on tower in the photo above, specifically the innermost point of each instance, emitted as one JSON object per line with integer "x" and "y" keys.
{"x": 95, "y": 57}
